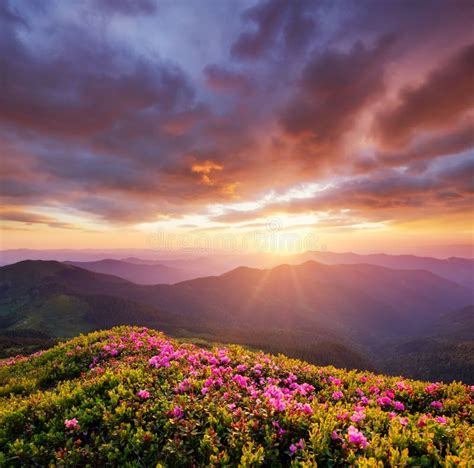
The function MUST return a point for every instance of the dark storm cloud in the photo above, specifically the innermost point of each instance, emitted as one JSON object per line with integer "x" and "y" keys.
{"x": 445, "y": 95}
{"x": 84, "y": 87}
{"x": 334, "y": 87}
{"x": 433, "y": 145}
{"x": 103, "y": 119}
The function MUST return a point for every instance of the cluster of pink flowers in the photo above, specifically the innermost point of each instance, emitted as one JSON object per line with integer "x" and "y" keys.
{"x": 144, "y": 394}
{"x": 432, "y": 388}
{"x": 13, "y": 360}
{"x": 387, "y": 400}
{"x": 403, "y": 386}
{"x": 279, "y": 394}
{"x": 166, "y": 356}
{"x": 177, "y": 412}
{"x": 436, "y": 405}
{"x": 359, "y": 414}
{"x": 398, "y": 405}
{"x": 72, "y": 424}
{"x": 298, "y": 446}
{"x": 355, "y": 437}
{"x": 335, "y": 381}
{"x": 272, "y": 391}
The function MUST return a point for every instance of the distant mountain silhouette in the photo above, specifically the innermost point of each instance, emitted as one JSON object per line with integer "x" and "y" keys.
{"x": 193, "y": 265}
{"x": 140, "y": 273}
{"x": 340, "y": 314}
{"x": 459, "y": 270}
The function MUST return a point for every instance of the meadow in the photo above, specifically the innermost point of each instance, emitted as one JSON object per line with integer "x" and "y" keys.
{"x": 133, "y": 397}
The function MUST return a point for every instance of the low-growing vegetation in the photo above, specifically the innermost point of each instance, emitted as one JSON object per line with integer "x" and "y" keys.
{"x": 133, "y": 397}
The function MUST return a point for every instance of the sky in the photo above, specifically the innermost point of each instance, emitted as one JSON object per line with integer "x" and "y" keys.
{"x": 322, "y": 124}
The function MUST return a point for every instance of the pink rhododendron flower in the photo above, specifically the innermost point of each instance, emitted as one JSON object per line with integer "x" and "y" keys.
{"x": 184, "y": 386}
{"x": 364, "y": 400}
{"x": 342, "y": 416}
{"x": 441, "y": 420}
{"x": 384, "y": 401}
{"x": 306, "y": 408}
{"x": 436, "y": 404}
{"x": 356, "y": 437}
{"x": 374, "y": 389}
{"x": 401, "y": 385}
{"x": 240, "y": 380}
{"x": 431, "y": 388}
{"x": 398, "y": 405}
{"x": 335, "y": 436}
{"x": 177, "y": 412}
{"x": 358, "y": 416}
{"x": 143, "y": 394}
{"x": 278, "y": 404}
{"x": 403, "y": 421}
{"x": 298, "y": 446}
{"x": 72, "y": 424}
{"x": 335, "y": 381}
{"x": 337, "y": 395}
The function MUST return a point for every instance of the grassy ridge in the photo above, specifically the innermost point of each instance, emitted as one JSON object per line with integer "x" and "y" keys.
{"x": 130, "y": 396}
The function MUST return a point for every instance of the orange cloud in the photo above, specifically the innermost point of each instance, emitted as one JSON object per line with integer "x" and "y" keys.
{"x": 204, "y": 169}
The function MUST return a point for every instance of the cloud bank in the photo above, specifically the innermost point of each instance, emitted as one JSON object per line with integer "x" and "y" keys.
{"x": 129, "y": 112}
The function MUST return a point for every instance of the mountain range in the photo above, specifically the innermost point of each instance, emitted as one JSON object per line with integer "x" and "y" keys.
{"x": 150, "y": 267}
{"x": 459, "y": 270}
{"x": 140, "y": 273}
{"x": 359, "y": 315}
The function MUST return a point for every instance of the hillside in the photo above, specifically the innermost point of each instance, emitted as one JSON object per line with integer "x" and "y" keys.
{"x": 131, "y": 396}
{"x": 347, "y": 296}
{"x": 43, "y": 300}
{"x": 137, "y": 273}
{"x": 445, "y": 349}
{"x": 336, "y": 315}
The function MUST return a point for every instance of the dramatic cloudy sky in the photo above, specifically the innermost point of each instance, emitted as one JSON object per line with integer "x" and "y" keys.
{"x": 121, "y": 119}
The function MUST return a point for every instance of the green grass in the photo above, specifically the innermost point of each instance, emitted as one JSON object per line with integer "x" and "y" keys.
{"x": 60, "y": 315}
